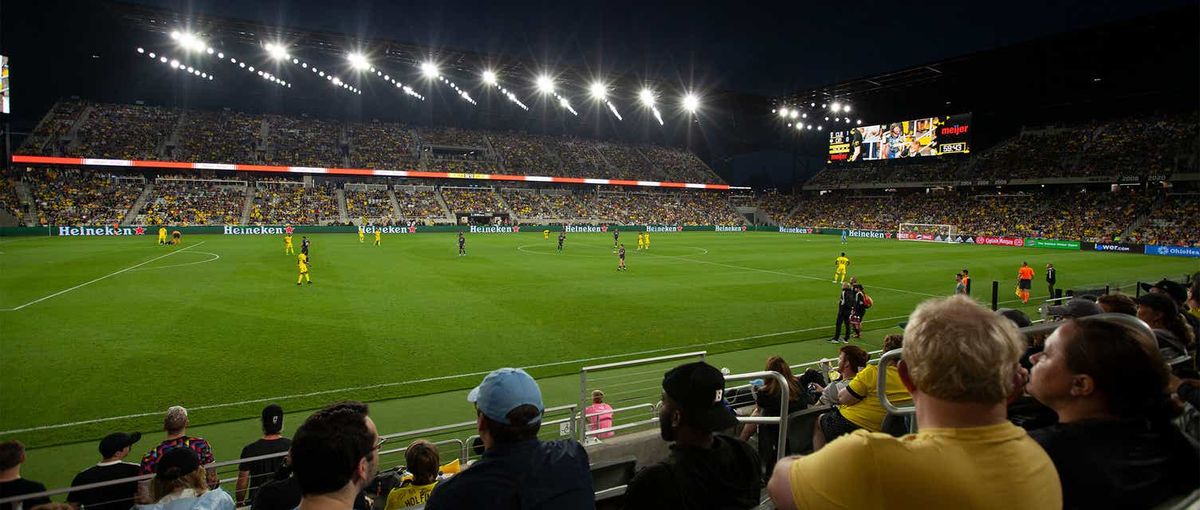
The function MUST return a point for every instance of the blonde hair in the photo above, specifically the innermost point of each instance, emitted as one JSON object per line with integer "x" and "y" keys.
{"x": 196, "y": 480}
{"x": 959, "y": 351}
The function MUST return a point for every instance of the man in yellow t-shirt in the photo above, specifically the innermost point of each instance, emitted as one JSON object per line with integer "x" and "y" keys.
{"x": 859, "y": 406}
{"x": 960, "y": 364}
{"x": 839, "y": 275}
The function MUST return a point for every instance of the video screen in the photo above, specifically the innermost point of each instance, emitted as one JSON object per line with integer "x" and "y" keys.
{"x": 4, "y": 107}
{"x": 930, "y": 136}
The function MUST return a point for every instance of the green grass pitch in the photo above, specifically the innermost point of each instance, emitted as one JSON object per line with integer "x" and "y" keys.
{"x": 97, "y": 328}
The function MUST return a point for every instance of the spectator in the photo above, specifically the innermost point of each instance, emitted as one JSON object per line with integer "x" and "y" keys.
{"x": 254, "y": 473}
{"x": 1193, "y": 302}
{"x": 12, "y": 455}
{"x": 422, "y": 460}
{"x": 851, "y": 360}
{"x": 517, "y": 469}
{"x": 1178, "y": 293}
{"x": 1075, "y": 308}
{"x": 334, "y": 455}
{"x": 767, "y": 403}
{"x": 959, "y": 286}
{"x": 1160, "y": 312}
{"x": 960, "y": 364}
{"x": 175, "y": 425}
{"x": 704, "y": 469}
{"x": 113, "y": 450}
{"x": 1114, "y": 445}
{"x": 858, "y": 402}
{"x": 283, "y": 492}
{"x": 180, "y": 484}
{"x": 1017, "y": 317}
{"x": 600, "y": 415}
{"x": 1117, "y": 303}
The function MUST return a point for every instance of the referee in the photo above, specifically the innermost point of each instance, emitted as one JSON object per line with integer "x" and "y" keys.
{"x": 1051, "y": 278}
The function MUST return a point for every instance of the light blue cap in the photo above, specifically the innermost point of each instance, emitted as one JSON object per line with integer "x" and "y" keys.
{"x": 506, "y": 389}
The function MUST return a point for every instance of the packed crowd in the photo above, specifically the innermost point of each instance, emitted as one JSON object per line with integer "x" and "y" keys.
{"x": 82, "y": 197}
{"x": 524, "y": 154}
{"x": 461, "y": 165}
{"x": 218, "y": 137}
{"x": 9, "y": 201}
{"x": 1173, "y": 220}
{"x": 372, "y": 204}
{"x": 416, "y": 203}
{"x": 1095, "y": 414}
{"x": 677, "y": 165}
{"x": 124, "y": 132}
{"x": 46, "y": 140}
{"x": 294, "y": 205}
{"x": 473, "y": 200}
{"x": 528, "y": 204}
{"x": 451, "y": 137}
{"x": 380, "y": 145}
{"x": 682, "y": 208}
{"x": 623, "y": 161}
{"x": 777, "y": 205}
{"x": 189, "y": 202}
{"x": 303, "y": 142}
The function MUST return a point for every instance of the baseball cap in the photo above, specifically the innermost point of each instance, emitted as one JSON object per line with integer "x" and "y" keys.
{"x": 1160, "y": 302}
{"x": 175, "y": 463}
{"x": 1016, "y": 316}
{"x": 272, "y": 418}
{"x": 699, "y": 388}
{"x": 506, "y": 389}
{"x": 1174, "y": 289}
{"x": 1076, "y": 307}
{"x": 117, "y": 441}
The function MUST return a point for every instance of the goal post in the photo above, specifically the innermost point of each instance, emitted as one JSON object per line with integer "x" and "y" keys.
{"x": 928, "y": 232}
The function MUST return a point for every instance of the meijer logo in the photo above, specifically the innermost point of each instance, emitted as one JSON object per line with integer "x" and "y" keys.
{"x": 245, "y": 231}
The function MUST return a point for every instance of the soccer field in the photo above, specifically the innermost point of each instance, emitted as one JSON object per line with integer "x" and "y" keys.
{"x": 116, "y": 329}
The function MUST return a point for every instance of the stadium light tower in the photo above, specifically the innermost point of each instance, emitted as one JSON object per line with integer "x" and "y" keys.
{"x": 647, "y": 98}
{"x": 599, "y": 91}
{"x": 277, "y": 51}
{"x": 188, "y": 40}
{"x": 691, "y": 102}
{"x": 358, "y": 61}
{"x": 489, "y": 77}
{"x": 783, "y": 112}
{"x": 430, "y": 70}
{"x": 835, "y": 107}
{"x": 545, "y": 84}
{"x": 795, "y": 114}
{"x": 846, "y": 108}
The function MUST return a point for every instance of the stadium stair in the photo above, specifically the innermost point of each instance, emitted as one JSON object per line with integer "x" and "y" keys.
{"x": 73, "y": 133}
{"x": 249, "y": 204}
{"x": 138, "y": 204}
{"x": 343, "y": 216}
{"x": 445, "y": 208}
{"x": 26, "y": 198}
{"x": 395, "y": 203}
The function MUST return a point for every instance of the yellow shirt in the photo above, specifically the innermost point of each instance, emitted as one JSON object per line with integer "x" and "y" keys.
{"x": 409, "y": 495}
{"x": 869, "y": 413}
{"x": 162, "y": 232}
{"x": 303, "y": 262}
{"x": 997, "y": 466}
{"x": 377, "y": 234}
{"x": 287, "y": 239}
{"x": 841, "y": 262}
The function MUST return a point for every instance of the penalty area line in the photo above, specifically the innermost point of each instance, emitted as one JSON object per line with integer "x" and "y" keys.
{"x": 432, "y": 379}
{"x": 109, "y": 275}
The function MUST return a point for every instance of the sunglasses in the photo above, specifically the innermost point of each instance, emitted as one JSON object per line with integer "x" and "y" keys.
{"x": 379, "y": 443}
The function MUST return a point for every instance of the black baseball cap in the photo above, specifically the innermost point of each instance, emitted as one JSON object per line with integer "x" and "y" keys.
{"x": 1076, "y": 307}
{"x": 117, "y": 441}
{"x": 175, "y": 463}
{"x": 1175, "y": 290}
{"x": 699, "y": 389}
{"x": 1158, "y": 301}
{"x": 272, "y": 418}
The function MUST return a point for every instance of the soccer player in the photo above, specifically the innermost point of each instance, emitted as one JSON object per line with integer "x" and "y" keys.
{"x": 302, "y": 262}
{"x": 562, "y": 236}
{"x": 462, "y": 245}
{"x": 616, "y": 238}
{"x": 647, "y": 240}
{"x": 287, "y": 245}
{"x": 1024, "y": 281}
{"x": 641, "y": 243}
{"x": 621, "y": 258}
{"x": 966, "y": 281}
{"x": 845, "y": 234}
{"x": 362, "y": 232}
{"x": 176, "y": 237}
{"x": 839, "y": 275}
{"x": 162, "y": 235}
{"x": 378, "y": 235}
{"x": 546, "y": 234}
{"x": 304, "y": 246}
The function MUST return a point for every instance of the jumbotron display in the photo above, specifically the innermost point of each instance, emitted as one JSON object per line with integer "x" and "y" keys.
{"x": 4, "y": 107}
{"x": 931, "y": 136}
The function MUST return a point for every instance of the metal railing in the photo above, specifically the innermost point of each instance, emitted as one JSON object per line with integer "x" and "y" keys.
{"x": 584, "y": 397}
{"x": 781, "y": 420}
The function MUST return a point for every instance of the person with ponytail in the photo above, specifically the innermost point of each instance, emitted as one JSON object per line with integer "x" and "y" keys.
{"x": 768, "y": 403}
{"x": 1114, "y": 445}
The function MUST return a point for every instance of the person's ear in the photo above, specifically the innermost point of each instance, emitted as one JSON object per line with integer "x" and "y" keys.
{"x": 1082, "y": 385}
{"x": 905, "y": 377}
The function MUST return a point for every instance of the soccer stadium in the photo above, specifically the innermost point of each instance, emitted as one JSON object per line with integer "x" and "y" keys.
{"x": 391, "y": 255}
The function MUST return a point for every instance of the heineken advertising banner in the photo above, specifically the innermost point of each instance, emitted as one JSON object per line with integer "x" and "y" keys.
{"x": 1057, "y": 244}
{"x": 797, "y": 230}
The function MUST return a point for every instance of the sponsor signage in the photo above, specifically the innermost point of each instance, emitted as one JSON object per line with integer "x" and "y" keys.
{"x": 729, "y": 228}
{"x": 585, "y": 229}
{"x": 1000, "y": 241}
{"x": 1058, "y": 244}
{"x": 797, "y": 230}
{"x": 1174, "y": 251}
{"x": 1114, "y": 247}
{"x": 497, "y": 229}
{"x": 231, "y": 230}
{"x": 101, "y": 231}
{"x": 873, "y": 234}
{"x": 664, "y": 228}
{"x": 391, "y": 229}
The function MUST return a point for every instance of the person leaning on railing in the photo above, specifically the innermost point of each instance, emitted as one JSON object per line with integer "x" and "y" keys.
{"x": 858, "y": 401}
{"x": 767, "y": 403}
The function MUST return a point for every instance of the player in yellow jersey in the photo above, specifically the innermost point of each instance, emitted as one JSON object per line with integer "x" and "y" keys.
{"x": 302, "y": 262}
{"x": 361, "y": 234}
{"x": 647, "y": 239}
{"x": 162, "y": 235}
{"x": 546, "y": 234}
{"x": 841, "y": 262}
{"x": 378, "y": 235}
{"x": 641, "y": 241}
{"x": 176, "y": 237}
{"x": 287, "y": 245}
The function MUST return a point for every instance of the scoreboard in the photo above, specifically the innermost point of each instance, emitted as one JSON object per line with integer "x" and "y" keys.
{"x": 929, "y": 136}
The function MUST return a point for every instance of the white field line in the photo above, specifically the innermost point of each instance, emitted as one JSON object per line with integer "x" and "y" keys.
{"x": 213, "y": 258}
{"x": 430, "y": 379}
{"x": 109, "y": 275}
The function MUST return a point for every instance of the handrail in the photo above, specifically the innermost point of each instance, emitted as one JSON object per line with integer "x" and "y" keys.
{"x": 580, "y": 425}
{"x": 780, "y": 420}
{"x": 889, "y": 357}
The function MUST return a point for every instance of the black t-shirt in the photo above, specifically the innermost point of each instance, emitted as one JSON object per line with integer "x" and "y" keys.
{"x": 1120, "y": 464}
{"x": 111, "y": 497}
{"x": 261, "y": 471}
{"x": 726, "y": 476}
{"x": 285, "y": 495}
{"x": 22, "y": 486}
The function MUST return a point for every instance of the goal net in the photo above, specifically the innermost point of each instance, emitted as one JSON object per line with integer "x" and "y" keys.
{"x": 929, "y": 232}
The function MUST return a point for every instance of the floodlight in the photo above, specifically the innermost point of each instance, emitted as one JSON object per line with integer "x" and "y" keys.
{"x": 175, "y": 64}
{"x": 563, "y": 102}
{"x": 804, "y": 115}
{"x": 191, "y": 42}
{"x": 599, "y": 91}
{"x": 860, "y": 122}
{"x": 430, "y": 70}
{"x": 820, "y": 128}
{"x": 545, "y": 84}
{"x": 795, "y": 114}
{"x": 141, "y": 50}
{"x": 783, "y": 112}
{"x": 799, "y": 126}
{"x": 175, "y": 35}
{"x": 647, "y": 97}
{"x": 358, "y": 61}
{"x": 489, "y": 77}
{"x": 846, "y": 108}
{"x": 836, "y": 106}
{"x": 209, "y": 50}
{"x": 277, "y": 51}
{"x": 162, "y": 59}
{"x": 691, "y": 103}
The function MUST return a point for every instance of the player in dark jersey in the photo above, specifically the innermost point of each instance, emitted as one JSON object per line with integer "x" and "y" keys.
{"x": 616, "y": 239}
{"x": 304, "y": 248}
{"x": 621, "y": 258}
{"x": 462, "y": 245}
{"x": 562, "y": 236}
